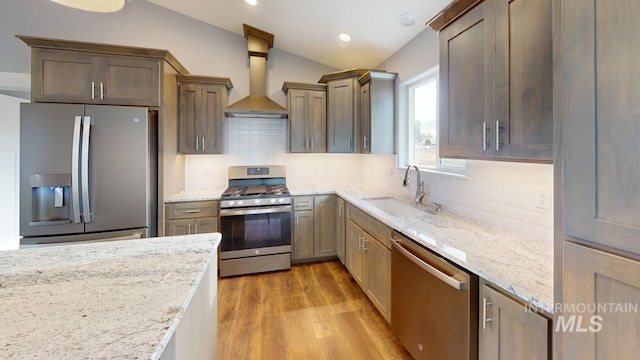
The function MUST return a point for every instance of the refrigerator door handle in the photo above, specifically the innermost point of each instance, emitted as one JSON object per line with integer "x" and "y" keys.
{"x": 75, "y": 169}
{"x": 86, "y": 131}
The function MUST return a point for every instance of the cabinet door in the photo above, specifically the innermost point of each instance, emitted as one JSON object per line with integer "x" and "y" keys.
{"x": 601, "y": 151}
{"x": 317, "y": 121}
{"x": 593, "y": 277}
{"x": 324, "y": 226}
{"x": 378, "y": 275}
{"x": 64, "y": 76}
{"x": 467, "y": 85}
{"x": 205, "y": 225}
{"x": 298, "y": 120}
{"x": 189, "y": 113}
{"x": 355, "y": 256}
{"x": 365, "y": 118}
{"x": 302, "y": 235}
{"x": 341, "y": 113}
{"x": 524, "y": 69}
{"x": 509, "y": 331}
{"x": 129, "y": 81}
{"x": 212, "y": 122}
{"x": 180, "y": 227}
{"x": 340, "y": 230}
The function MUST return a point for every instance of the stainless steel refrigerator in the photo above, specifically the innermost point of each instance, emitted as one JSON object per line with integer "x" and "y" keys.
{"x": 87, "y": 173}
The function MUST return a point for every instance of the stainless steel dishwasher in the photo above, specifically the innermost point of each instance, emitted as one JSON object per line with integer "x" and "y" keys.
{"x": 434, "y": 304}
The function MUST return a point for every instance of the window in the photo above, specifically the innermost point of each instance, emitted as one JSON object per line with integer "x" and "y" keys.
{"x": 421, "y": 135}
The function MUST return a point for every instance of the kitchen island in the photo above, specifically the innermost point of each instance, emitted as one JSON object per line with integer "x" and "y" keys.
{"x": 132, "y": 299}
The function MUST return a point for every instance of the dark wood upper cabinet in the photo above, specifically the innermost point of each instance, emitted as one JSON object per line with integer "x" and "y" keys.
{"x": 307, "y": 106}
{"x": 524, "y": 80}
{"x": 377, "y": 112}
{"x": 67, "y": 71}
{"x": 343, "y": 109}
{"x": 467, "y": 90}
{"x": 201, "y": 120}
{"x": 496, "y": 98}
{"x": 78, "y": 77}
{"x": 342, "y": 115}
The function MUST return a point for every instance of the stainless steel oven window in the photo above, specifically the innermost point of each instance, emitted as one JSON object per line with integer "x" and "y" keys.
{"x": 251, "y": 231}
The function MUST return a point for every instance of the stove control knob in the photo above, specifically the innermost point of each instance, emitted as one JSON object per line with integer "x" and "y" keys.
{"x": 273, "y": 201}
{"x": 281, "y": 200}
{"x": 231, "y": 203}
{"x": 257, "y": 202}
{"x": 240, "y": 202}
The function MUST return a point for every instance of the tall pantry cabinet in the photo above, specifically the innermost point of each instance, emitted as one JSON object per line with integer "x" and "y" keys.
{"x": 600, "y": 114}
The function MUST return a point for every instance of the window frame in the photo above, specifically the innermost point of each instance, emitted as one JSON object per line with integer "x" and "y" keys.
{"x": 405, "y": 133}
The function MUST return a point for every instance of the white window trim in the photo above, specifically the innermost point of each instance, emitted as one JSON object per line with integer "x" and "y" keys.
{"x": 405, "y": 132}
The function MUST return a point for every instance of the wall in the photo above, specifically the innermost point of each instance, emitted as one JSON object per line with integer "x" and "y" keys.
{"x": 10, "y": 169}
{"x": 500, "y": 193}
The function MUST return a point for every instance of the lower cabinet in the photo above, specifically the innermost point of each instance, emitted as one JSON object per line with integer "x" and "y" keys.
{"x": 191, "y": 217}
{"x": 340, "y": 230}
{"x": 314, "y": 227}
{"x": 508, "y": 330}
{"x": 368, "y": 258}
{"x": 601, "y": 292}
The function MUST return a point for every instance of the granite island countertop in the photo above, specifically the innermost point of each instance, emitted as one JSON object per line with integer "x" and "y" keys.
{"x": 115, "y": 299}
{"x": 518, "y": 264}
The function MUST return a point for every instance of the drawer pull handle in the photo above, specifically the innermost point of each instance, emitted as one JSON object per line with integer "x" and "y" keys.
{"x": 192, "y": 211}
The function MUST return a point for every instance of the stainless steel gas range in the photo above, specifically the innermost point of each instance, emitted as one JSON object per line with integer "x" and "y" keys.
{"x": 255, "y": 217}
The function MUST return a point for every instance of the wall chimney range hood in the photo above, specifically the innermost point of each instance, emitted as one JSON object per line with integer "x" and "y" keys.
{"x": 257, "y": 104}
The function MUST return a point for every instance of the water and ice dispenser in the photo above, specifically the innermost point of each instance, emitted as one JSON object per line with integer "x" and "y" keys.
{"x": 50, "y": 199}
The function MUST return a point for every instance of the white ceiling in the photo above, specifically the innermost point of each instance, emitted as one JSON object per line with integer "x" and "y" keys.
{"x": 310, "y": 28}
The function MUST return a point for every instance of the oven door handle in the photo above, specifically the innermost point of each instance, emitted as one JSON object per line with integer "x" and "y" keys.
{"x": 255, "y": 210}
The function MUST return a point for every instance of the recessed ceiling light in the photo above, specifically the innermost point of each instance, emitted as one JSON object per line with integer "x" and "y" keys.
{"x": 344, "y": 37}
{"x": 407, "y": 19}
{"x": 103, "y": 6}
{"x": 251, "y": 2}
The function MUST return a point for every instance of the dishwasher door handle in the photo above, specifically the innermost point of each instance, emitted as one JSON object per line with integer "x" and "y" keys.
{"x": 456, "y": 284}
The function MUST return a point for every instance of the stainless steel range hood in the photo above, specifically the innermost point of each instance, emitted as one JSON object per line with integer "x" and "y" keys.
{"x": 257, "y": 104}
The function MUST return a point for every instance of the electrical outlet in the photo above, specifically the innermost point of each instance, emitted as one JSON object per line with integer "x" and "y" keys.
{"x": 542, "y": 198}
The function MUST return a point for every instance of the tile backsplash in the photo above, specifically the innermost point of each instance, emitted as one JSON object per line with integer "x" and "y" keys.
{"x": 500, "y": 193}
{"x": 257, "y": 141}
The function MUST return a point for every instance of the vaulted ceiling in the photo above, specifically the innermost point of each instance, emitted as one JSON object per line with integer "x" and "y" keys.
{"x": 310, "y": 28}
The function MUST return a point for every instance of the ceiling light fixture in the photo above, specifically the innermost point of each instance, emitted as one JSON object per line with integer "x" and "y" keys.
{"x": 344, "y": 37}
{"x": 102, "y": 6}
{"x": 407, "y": 19}
{"x": 251, "y": 2}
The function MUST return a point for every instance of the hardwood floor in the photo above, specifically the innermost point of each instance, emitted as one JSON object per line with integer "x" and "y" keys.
{"x": 314, "y": 311}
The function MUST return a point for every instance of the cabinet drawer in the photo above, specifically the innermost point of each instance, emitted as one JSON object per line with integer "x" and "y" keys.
{"x": 375, "y": 228}
{"x": 303, "y": 203}
{"x": 192, "y": 209}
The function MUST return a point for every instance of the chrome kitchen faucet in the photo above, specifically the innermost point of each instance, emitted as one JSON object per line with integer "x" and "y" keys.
{"x": 420, "y": 186}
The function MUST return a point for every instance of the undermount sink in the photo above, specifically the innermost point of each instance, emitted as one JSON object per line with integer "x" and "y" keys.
{"x": 396, "y": 207}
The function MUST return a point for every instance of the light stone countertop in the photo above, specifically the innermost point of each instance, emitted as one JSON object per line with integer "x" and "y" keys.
{"x": 195, "y": 195}
{"x": 103, "y": 300}
{"x": 519, "y": 264}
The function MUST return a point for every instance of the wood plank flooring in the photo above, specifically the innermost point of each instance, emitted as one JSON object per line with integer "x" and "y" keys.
{"x": 313, "y": 311}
